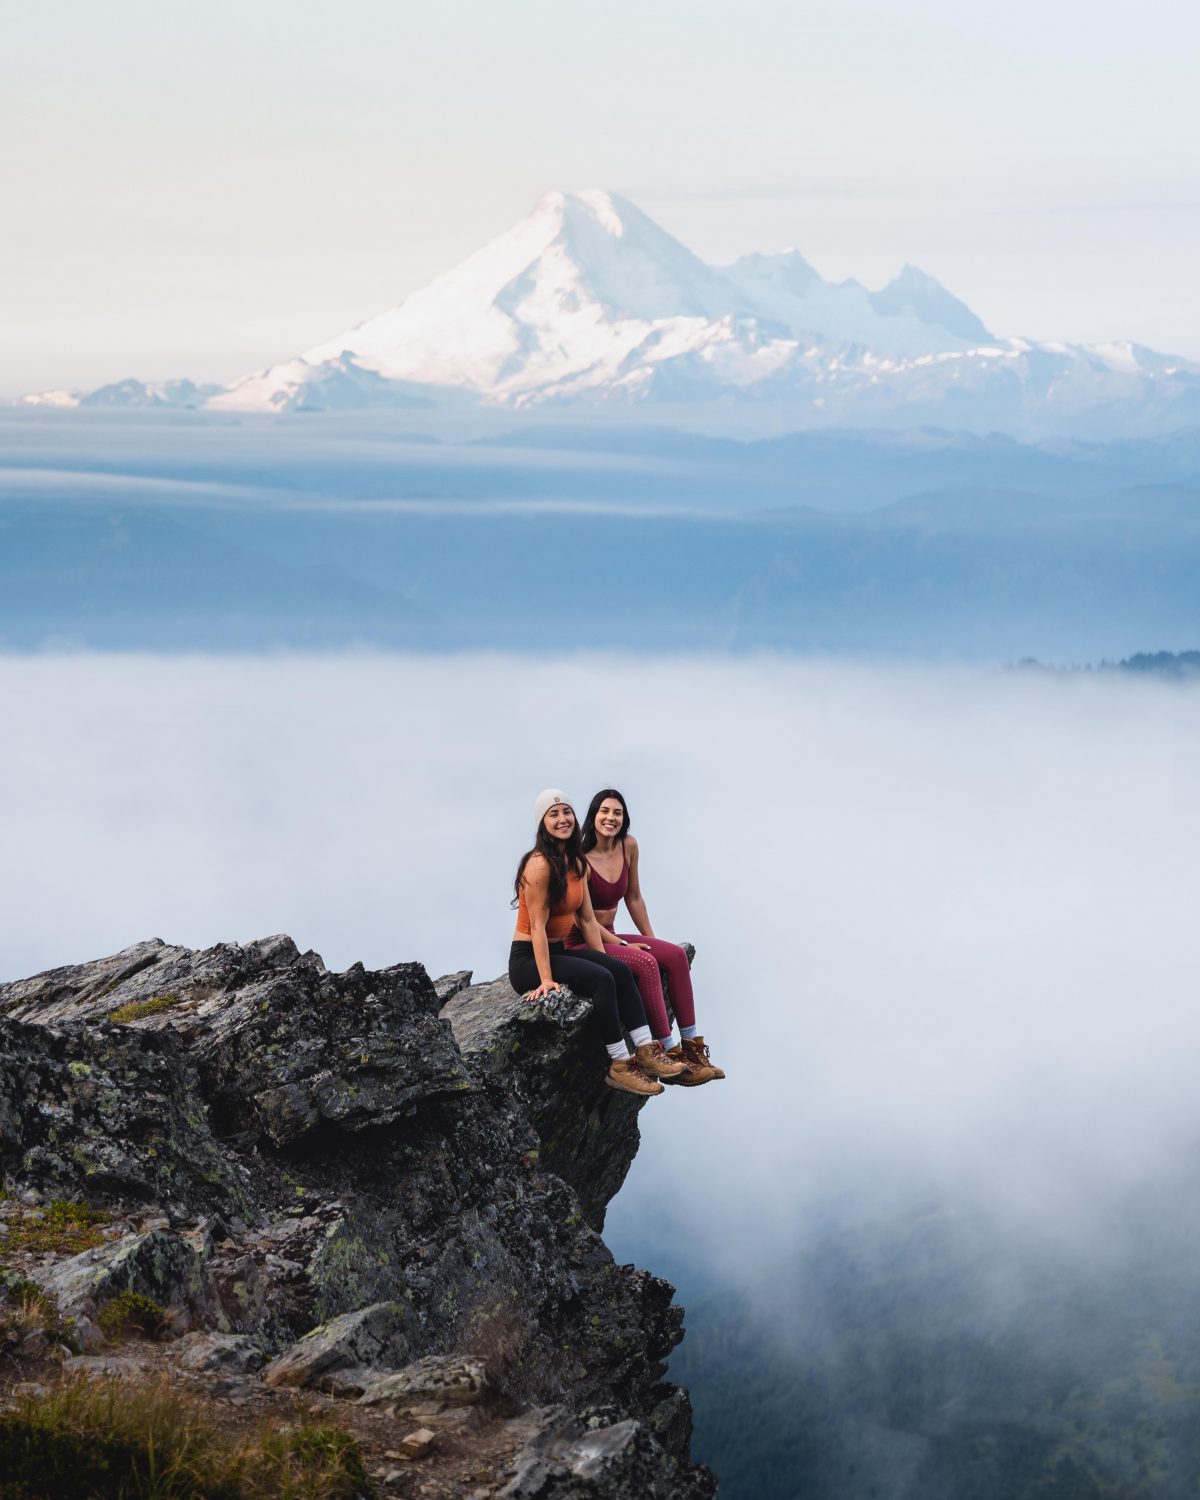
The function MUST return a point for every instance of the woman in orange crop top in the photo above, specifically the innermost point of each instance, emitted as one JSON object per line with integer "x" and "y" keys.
{"x": 551, "y": 897}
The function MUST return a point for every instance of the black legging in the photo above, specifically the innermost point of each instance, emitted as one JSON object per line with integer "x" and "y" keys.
{"x": 607, "y": 982}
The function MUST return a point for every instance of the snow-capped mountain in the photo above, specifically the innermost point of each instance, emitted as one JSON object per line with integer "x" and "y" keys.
{"x": 128, "y": 394}
{"x": 588, "y": 300}
{"x": 586, "y": 295}
{"x": 927, "y": 300}
{"x": 912, "y": 316}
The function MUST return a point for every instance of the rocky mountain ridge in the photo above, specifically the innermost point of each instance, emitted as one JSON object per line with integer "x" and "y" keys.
{"x": 378, "y": 1190}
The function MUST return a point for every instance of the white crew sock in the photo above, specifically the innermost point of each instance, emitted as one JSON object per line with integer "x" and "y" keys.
{"x": 641, "y": 1036}
{"x": 688, "y": 1032}
{"x": 618, "y": 1051}
{"x": 670, "y": 1040}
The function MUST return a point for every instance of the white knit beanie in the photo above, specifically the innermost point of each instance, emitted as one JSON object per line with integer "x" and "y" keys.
{"x": 544, "y": 801}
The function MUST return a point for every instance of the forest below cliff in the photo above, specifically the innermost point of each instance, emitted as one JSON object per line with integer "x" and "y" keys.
{"x": 931, "y": 1356}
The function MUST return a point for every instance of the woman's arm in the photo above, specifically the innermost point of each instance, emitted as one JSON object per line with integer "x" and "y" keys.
{"x": 593, "y": 934}
{"x": 635, "y": 902}
{"x": 537, "y": 903}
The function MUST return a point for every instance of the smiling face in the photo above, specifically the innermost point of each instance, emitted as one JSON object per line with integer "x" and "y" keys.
{"x": 610, "y": 818}
{"x": 559, "y": 822}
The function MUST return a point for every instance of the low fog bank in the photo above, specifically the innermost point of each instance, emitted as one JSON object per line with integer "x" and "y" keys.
{"x": 945, "y": 919}
{"x": 945, "y": 923}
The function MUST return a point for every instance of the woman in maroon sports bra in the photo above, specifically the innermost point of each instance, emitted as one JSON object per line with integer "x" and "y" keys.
{"x": 612, "y": 858}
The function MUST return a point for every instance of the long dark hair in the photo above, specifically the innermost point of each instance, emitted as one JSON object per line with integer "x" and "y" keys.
{"x": 588, "y": 840}
{"x": 564, "y": 856}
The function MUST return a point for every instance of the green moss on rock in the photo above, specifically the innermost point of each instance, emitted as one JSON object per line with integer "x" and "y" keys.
{"x": 130, "y": 1313}
{"x": 64, "y": 1228}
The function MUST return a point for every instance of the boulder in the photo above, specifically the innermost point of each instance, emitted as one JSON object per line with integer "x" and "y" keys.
{"x": 348, "y": 1353}
{"x": 443, "y": 1379}
{"x": 418, "y": 1443}
{"x": 574, "y": 1459}
{"x": 179, "y": 1271}
{"x": 164, "y": 1267}
{"x": 217, "y": 1353}
{"x": 107, "y": 1366}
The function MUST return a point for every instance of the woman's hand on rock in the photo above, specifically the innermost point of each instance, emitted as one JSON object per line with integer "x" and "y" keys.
{"x": 550, "y": 987}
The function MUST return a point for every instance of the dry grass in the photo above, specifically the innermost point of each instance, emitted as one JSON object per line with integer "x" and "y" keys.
{"x": 89, "y": 1440}
{"x": 134, "y": 1010}
{"x": 25, "y": 1312}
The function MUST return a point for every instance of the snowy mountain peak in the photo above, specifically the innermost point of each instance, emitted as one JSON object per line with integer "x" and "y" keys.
{"x": 917, "y": 293}
{"x": 565, "y": 298}
{"x": 588, "y": 299}
{"x": 788, "y": 271}
{"x": 787, "y": 290}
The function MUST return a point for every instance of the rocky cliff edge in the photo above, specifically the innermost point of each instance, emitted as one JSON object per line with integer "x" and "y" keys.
{"x": 373, "y": 1192}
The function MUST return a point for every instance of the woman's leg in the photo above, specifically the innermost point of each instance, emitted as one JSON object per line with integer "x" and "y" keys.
{"x": 628, "y": 1002}
{"x": 644, "y": 968}
{"x": 651, "y": 1057}
{"x": 692, "y": 1046}
{"x": 672, "y": 958}
{"x": 602, "y": 980}
{"x": 615, "y": 1000}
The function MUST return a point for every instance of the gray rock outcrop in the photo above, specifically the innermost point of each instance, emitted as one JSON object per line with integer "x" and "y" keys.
{"x": 546, "y": 1050}
{"x": 374, "y": 1183}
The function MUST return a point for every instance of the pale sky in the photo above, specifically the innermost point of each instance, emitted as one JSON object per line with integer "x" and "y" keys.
{"x": 201, "y": 190}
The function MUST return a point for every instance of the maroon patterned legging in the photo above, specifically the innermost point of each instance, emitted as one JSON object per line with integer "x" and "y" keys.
{"x": 645, "y": 968}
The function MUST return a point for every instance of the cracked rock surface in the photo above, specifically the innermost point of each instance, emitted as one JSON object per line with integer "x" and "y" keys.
{"x": 368, "y": 1185}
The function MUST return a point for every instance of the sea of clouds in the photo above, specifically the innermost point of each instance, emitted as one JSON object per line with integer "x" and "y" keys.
{"x": 945, "y": 918}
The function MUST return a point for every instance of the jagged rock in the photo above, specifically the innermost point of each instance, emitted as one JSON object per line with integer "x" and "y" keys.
{"x": 572, "y": 1460}
{"x": 281, "y": 1045}
{"x": 449, "y": 1379}
{"x": 178, "y": 1271}
{"x": 106, "y": 1366}
{"x": 449, "y": 985}
{"x": 349, "y": 1352}
{"x": 217, "y": 1353}
{"x": 354, "y": 1159}
{"x": 142, "y": 973}
{"x": 163, "y": 1267}
{"x": 101, "y": 1110}
{"x": 553, "y": 1052}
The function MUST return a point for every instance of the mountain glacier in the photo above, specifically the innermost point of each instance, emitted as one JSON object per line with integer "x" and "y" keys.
{"x": 588, "y": 301}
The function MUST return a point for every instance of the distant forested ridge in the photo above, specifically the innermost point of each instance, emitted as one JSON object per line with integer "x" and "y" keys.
{"x": 1180, "y": 666}
{"x": 1163, "y": 663}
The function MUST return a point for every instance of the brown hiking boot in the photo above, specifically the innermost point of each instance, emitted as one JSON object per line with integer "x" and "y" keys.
{"x": 700, "y": 1067}
{"x": 691, "y": 1077}
{"x": 652, "y": 1059}
{"x": 626, "y": 1073}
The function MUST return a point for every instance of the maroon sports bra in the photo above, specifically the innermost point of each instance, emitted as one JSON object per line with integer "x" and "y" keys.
{"x": 607, "y": 895}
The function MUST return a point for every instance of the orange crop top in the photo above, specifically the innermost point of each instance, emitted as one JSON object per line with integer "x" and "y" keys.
{"x": 561, "y": 918}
